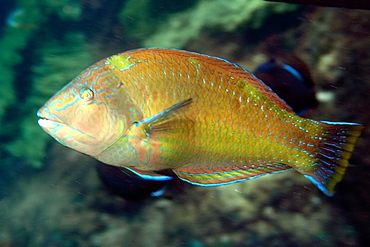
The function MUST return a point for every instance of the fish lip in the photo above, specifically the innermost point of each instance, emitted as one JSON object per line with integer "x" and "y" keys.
{"x": 42, "y": 117}
{"x": 39, "y": 114}
{"x": 51, "y": 123}
{"x": 48, "y": 124}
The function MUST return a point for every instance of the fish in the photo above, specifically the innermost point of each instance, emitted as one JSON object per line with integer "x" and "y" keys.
{"x": 130, "y": 186}
{"x": 289, "y": 77}
{"x": 205, "y": 118}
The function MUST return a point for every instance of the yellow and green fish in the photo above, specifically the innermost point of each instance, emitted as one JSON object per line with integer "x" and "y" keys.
{"x": 209, "y": 120}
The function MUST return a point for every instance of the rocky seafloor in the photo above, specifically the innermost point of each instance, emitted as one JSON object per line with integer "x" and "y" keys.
{"x": 67, "y": 205}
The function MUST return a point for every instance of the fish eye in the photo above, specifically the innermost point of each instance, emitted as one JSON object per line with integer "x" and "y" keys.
{"x": 86, "y": 94}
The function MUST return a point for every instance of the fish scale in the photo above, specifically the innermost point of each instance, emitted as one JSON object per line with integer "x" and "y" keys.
{"x": 208, "y": 117}
{"x": 209, "y": 120}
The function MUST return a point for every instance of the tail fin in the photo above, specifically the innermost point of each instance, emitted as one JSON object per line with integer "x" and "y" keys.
{"x": 335, "y": 150}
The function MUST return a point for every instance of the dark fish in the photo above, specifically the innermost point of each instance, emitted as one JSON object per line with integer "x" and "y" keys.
{"x": 129, "y": 185}
{"x": 289, "y": 77}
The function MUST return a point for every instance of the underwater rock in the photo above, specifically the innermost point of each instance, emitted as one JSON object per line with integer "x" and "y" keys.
{"x": 80, "y": 212}
{"x": 47, "y": 77}
{"x": 140, "y": 18}
{"x": 12, "y": 43}
{"x": 179, "y": 27}
{"x": 341, "y": 58}
{"x": 17, "y": 42}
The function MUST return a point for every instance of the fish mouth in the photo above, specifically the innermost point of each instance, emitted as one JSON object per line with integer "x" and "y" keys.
{"x": 53, "y": 124}
{"x": 48, "y": 123}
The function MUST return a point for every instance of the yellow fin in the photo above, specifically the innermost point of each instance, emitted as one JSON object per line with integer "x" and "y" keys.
{"x": 228, "y": 175}
{"x": 335, "y": 150}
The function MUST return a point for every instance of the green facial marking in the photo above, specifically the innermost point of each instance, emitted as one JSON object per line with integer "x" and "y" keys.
{"x": 120, "y": 62}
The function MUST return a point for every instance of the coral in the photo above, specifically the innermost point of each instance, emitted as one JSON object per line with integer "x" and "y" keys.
{"x": 179, "y": 28}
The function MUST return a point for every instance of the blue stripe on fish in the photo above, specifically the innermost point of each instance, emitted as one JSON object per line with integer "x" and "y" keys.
{"x": 320, "y": 185}
{"x": 150, "y": 175}
{"x": 222, "y": 183}
{"x": 293, "y": 71}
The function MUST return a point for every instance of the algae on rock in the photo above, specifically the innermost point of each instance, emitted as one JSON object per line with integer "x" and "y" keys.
{"x": 59, "y": 65}
{"x": 25, "y": 141}
{"x": 16, "y": 37}
{"x": 140, "y": 19}
{"x": 177, "y": 29}
{"x": 28, "y": 18}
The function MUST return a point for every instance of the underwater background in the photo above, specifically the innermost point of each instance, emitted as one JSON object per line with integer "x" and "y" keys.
{"x": 53, "y": 196}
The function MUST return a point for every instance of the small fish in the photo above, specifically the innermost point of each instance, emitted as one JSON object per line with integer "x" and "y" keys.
{"x": 128, "y": 185}
{"x": 290, "y": 78}
{"x": 209, "y": 120}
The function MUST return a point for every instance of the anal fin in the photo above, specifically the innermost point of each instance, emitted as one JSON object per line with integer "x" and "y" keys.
{"x": 228, "y": 175}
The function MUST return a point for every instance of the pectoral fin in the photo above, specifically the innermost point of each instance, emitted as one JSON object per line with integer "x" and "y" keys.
{"x": 160, "y": 136}
{"x": 162, "y": 120}
{"x": 166, "y": 120}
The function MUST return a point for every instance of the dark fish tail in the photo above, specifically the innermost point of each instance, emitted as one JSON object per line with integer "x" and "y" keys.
{"x": 334, "y": 152}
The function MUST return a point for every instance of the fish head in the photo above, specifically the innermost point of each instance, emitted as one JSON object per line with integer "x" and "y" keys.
{"x": 90, "y": 113}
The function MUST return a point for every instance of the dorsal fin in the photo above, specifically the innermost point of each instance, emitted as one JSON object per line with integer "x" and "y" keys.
{"x": 232, "y": 69}
{"x": 246, "y": 76}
